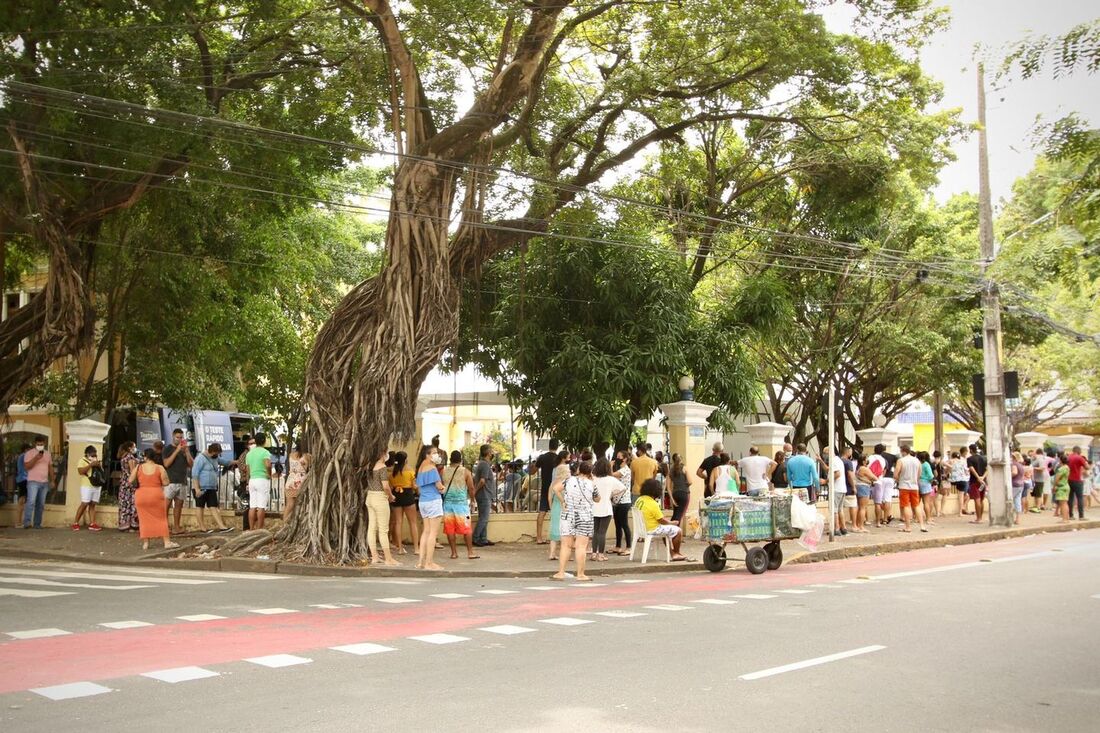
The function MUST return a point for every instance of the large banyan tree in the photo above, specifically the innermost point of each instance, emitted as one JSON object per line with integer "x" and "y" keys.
{"x": 567, "y": 93}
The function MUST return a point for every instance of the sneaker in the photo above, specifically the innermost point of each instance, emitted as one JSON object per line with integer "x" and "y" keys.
{"x": 94, "y": 528}
{"x": 76, "y": 527}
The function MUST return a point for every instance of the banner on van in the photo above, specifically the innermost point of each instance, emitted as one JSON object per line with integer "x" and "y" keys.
{"x": 148, "y": 431}
{"x": 212, "y": 426}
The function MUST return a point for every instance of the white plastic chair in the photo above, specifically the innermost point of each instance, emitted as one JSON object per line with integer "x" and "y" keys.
{"x": 641, "y": 535}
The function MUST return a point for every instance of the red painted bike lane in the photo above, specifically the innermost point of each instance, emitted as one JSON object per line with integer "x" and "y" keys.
{"x": 103, "y": 655}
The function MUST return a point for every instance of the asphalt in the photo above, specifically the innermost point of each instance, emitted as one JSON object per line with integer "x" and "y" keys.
{"x": 993, "y": 637}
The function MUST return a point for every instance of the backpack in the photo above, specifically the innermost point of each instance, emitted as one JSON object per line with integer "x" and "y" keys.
{"x": 97, "y": 477}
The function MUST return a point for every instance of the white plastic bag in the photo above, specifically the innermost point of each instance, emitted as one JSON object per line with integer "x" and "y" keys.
{"x": 802, "y": 514}
{"x": 812, "y": 536}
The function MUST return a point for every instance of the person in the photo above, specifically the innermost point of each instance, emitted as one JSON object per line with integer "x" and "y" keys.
{"x": 561, "y": 472}
{"x": 755, "y": 470}
{"x": 158, "y": 452}
{"x": 1078, "y": 469}
{"x": 977, "y": 465}
{"x": 546, "y": 463}
{"x": 865, "y": 482}
{"x": 576, "y": 525}
{"x": 723, "y": 479}
{"x": 939, "y": 483}
{"x": 882, "y": 464}
{"x": 151, "y": 478}
{"x": 485, "y": 492}
{"x": 851, "y": 505}
{"x": 1019, "y": 487}
{"x": 403, "y": 485}
{"x": 242, "y": 480}
{"x": 1061, "y": 488}
{"x": 513, "y": 479}
{"x": 21, "y": 482}
{"x": 429, "y": 484}
{"x": 259, "y": 481}
{"x": 524, "y": 495}
{"x": 620, "y": 503}
{"x": 177, "y": 462}
{"x": 1094, "y": 489}
{"x": 908, "y": 471}
{"x": 40, "y": 474}
{"x": 602, "y": 509}
{"x": 458, "y": 489}
{"x": 662, "y": 477}
{"x": 1040, "y": 475}
{"x": 89, "y": 494}
{"x": 655, "y": 522}
{"x": 379, "y": 498}
{"x": 298, "y": 463}
{"x": 837, "y": 486}
{"x": 709, "y": 464}
{"x": 802, "y": 473}
{"x": 127, "y": 456}
{"x": 957, "y": 475}
{"x": 642, "y": 468}
{"x": 681, "y": 489}
{"x": 777, "y": 479}
{"x": 926, "y": 485}
{"x": 205, "y": 475}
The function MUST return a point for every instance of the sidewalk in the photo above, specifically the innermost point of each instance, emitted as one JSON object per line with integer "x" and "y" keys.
{"x": 503, "y": 560}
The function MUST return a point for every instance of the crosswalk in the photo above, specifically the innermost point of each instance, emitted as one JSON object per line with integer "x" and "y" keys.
{"x": 35, "y": 580}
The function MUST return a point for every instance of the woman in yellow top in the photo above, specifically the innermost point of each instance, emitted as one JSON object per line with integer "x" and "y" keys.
{"x": 402, "y": 482}
{"x": 656, "y": 524}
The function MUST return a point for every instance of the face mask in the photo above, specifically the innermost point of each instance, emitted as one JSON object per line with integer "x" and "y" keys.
{"x": 437, "y": 459}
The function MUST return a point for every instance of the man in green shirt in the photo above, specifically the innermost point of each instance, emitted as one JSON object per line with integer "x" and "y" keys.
{"x": 258, "y": 459}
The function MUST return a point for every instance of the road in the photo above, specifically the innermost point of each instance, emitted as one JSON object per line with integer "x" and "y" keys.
{"x": 997, "y": 637}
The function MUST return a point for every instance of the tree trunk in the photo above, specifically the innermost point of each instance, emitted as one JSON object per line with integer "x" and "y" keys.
{"x": 368, "y": 363}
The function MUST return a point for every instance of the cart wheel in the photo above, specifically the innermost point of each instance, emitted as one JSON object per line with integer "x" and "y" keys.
{"x": 775, "y": 555}
{"x": 756, "y": 560}
{"x": 714, "y": 558}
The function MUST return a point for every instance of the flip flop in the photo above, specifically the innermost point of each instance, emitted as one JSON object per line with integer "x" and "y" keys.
{"x": 544, "y": 542}
{"x": 473, "y": 557}
{"x": 554, "y": 577}
{"x": 584, "y": 580}
{"x": 679, "y": 559}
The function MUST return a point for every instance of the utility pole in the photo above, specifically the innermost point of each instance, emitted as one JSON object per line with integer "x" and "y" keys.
{"x": 1001, "y": 511}
{"x": 829, "y": 464}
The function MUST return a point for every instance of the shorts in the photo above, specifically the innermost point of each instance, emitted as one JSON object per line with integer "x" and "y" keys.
{"x": 404, "y": 497}
{"x": 850, "y": 501}
{"x": 1038, "y": 489}
{"x": 431, "y": 508}
{"x": 863, "y": 491}
{"x": 208, "y": 499}
{"x": 909, "y": 498}
{"x": 259, "y": 493}
{"x": 838, "y": 500}
{"x": 456, "y": 520}
{"x": 976, "y": 491}
{"x": 21, "y": 489}
{"x": 1048, "y": 487}
{"x": 961, "y": 486}
{"x": 544, "y": 499}
{"x": 175, "y": 491}
{"x": 925, "y": 488}
{"x": 90, "y": 494}
{"x": 888, "y": 485}
{"x": 664, "y": 530}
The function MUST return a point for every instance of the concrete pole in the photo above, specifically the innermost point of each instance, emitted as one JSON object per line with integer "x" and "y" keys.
{"x": 829, "y": 463}
{"x": 1001, "y": 511}
{"x": 938, "y": 442}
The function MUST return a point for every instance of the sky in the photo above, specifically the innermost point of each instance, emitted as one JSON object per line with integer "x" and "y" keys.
{"x": 1012, "y": 110}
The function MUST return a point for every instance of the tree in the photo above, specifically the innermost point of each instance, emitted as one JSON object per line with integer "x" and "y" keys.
{"x": 108, "y": 103}
{"x": 567, "y": 93}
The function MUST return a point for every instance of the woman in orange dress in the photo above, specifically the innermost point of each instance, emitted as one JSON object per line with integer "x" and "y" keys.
{"x": 150, "y": 480}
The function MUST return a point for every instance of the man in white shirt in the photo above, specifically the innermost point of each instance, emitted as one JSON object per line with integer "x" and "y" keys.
{"x": 907, "y": 473}
{"x": 838, "y": 487}
{"x": 755, "y": 472}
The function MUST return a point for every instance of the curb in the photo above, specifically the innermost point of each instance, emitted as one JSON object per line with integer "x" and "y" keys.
{"x": 888, "y": 548}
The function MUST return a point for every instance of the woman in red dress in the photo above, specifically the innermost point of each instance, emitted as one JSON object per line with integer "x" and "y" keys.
{"x": 151, "y": 479}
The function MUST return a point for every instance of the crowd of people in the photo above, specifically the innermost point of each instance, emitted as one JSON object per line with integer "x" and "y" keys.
{"x": 579, "y": 495}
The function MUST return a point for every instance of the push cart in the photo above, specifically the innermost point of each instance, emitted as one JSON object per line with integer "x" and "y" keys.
{"x": 747, "y": 520}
